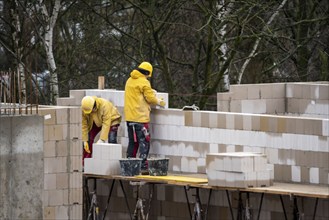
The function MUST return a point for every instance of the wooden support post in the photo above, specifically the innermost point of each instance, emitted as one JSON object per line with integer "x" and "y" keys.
{"x": 101, "y": 82}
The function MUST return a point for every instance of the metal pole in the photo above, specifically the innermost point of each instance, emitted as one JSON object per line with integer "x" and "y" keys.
{"x": 260, "y": 205}
{"x": 296, "y": 212}
{"x": 86, "y": 197}
{"x": 150, "y": 199}
{"x": 283, "y": 208}
{"x": 229, "y": 203}
{"x": 108, "y": 199}
{"x": 206, "y": 213}
{"x": 240, "y": 207}
{"x": 315, "y": 207}
{"x": 125, "y": 195}
{"x": 188, "y": 202}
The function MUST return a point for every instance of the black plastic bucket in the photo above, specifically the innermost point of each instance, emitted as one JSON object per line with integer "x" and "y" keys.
{"x": 130, "y": 166}
{"x": 158, "y": 166}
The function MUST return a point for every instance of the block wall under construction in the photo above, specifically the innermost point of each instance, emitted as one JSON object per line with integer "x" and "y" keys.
{"x": 297, "y": 146}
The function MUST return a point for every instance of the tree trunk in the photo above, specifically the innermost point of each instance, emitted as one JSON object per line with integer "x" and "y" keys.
{"x": 19, "y": 55}
{"x": 52, "y": 65}
{"x": 225, "y": 82}
{"x": 48, "y": 44}
{"x": 255, "y": 47}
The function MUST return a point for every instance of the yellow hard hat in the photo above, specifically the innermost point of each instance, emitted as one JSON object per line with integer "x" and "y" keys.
{"x": 87, "y": 104}
{"x": 145, "y": 68}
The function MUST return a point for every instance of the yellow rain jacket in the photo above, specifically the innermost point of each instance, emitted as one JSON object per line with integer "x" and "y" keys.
{"x": 138, "y": 98}
{"x": 106, "y": 116}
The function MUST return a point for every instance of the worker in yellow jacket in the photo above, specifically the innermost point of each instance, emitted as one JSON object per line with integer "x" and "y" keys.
{"x": 98, "y": 115}
{"x": 138, "y": 97}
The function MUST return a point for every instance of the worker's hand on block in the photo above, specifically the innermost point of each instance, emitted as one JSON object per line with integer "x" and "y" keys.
{"x": 86, "y": 147}
{"x": 161, "y": 102}
{"x": 100, "y": 141}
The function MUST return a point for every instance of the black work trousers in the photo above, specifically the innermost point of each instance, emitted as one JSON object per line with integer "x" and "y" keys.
{"x": 139, "y": 139}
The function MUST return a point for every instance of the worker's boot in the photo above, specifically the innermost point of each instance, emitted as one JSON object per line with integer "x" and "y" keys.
{"x": 145, "y": 172}
{"x": 144, "y": 168}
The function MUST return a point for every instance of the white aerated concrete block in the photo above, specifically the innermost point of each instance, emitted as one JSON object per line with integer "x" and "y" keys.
{"x": 242, "y": 164}
{"x": 238, "y": 161}
{"x": 107, "y": 151}
{"x": 213, "y": 148}
{"x": 97, "y": 151}
{"x": 192, "y": 165}
{"x": 295, "y": 174}
{"x": 105, "y": 159}
{"x": 101, "y": 167}
{"x": 184, "y": 164}
{"x": 212, "y": 177}
{"x": 263, "y": 178}
{"x": 221, "y": 178}
{"x": 230, "y": 148}
{"x": 325, "y": 128}
{"x": 229, "y": 178}
{"x": 111, "y": 151}
{"x": 227, "y": 163}
{"x": 247, "y": 123}
{"x": 89, "y": 164}
{"x": 240, "y": 169}
{"x": 243, "y": 180}
{"x": 66, "y": 101}
{"x": 323, "y": 143}
{"x": 213, "y": 162}
{"x": 260, "y": 162}
{"x": 115, "y": 96}
{"x": 314, "y": 175}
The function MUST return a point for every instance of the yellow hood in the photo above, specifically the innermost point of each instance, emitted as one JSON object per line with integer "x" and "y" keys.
{"x": 138, "y": 98}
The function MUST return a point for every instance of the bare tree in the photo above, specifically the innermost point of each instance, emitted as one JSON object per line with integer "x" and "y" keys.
{"x": 29, "y": 23}
{"x": 256, "y": 44}
{"x": 16, "y": 35}
{"x": 50, "y": 17}
{"x": 197, "y": 48}
{"x": 16, "y": 41}
{"x": 293, "y": 47}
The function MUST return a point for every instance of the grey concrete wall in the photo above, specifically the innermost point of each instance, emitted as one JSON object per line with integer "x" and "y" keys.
{"x": 21, "y": 167}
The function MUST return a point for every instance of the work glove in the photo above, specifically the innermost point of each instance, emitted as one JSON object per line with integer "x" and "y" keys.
{"x": 161, "y": 102}
{"x": 100, "y": 141}
{"x": 86, "y": 147}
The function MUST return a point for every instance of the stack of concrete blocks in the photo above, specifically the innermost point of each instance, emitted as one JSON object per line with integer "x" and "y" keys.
{"x": 301, "y": 99}
{"x": 255, "y": 98}
{"x": 105, "y": 159}
{"x": 308, "y": 99}
{"x": 238, "y": 169}
{"x": 62, "y": 188}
